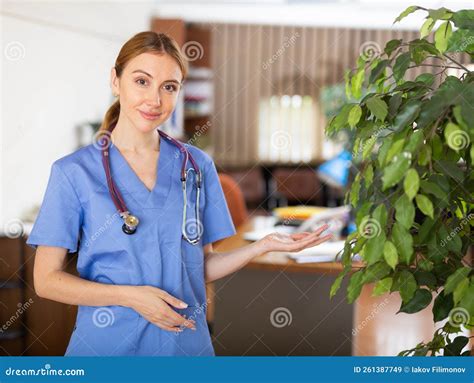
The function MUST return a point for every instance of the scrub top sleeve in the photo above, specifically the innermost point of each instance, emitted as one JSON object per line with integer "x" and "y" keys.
{"x": 60, "y": 217}
{"x": 217, "y": 221}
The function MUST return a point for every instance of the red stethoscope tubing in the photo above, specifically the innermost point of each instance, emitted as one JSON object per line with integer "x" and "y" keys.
{"x": 113, "y": 190}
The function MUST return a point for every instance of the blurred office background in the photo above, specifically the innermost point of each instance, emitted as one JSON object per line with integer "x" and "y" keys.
{"x": 265, "y": 77}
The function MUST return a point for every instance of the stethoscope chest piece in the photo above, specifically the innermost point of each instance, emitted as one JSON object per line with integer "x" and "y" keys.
{"x": 130, "y": 223}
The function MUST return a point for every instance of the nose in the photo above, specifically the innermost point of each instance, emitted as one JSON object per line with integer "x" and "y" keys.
{"x": 154, "y": 98}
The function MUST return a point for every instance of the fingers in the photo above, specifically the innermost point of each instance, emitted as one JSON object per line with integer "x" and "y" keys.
{"x": 299, "y": 236}
{"x": 309, "y": 240}
{"x": 319, "y": 230}
{"x": 168, "y": 298}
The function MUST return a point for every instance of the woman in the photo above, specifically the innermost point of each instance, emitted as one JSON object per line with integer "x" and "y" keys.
{"x": 139, "y": 286}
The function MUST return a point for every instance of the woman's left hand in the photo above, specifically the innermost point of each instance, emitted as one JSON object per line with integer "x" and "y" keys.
{"x": 293, "y": 242}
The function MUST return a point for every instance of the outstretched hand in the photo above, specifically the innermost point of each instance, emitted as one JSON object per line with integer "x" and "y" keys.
{"x": 294, "y": 242}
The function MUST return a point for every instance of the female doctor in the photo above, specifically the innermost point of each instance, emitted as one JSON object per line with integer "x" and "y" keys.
{"x": 143, "y": 259}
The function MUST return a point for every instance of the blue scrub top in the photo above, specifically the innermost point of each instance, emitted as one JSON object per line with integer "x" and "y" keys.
{"x": 78, "y": 214}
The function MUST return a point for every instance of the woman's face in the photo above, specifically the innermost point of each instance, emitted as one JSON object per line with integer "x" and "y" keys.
{"x": 148, "y": 90}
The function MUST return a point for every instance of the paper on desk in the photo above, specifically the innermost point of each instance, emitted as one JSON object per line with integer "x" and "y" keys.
{"x": 325, "y": 252}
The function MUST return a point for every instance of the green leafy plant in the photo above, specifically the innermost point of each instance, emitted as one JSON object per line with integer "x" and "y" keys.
{"x": 413, "y": 194}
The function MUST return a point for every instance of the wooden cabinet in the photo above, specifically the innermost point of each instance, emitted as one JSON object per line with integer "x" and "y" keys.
{"x": 30, "y": 325}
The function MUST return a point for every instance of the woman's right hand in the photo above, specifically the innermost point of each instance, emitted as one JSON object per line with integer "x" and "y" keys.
{"x": 154, "y": 305}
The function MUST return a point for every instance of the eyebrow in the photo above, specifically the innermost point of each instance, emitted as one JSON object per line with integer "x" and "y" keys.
{"x": 149, "y": 75}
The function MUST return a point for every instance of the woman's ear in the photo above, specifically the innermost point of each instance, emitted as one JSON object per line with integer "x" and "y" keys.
{"x": 114, "y": 82}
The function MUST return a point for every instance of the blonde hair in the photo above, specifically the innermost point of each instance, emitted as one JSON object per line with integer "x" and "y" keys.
{"x": 143, "y": 42}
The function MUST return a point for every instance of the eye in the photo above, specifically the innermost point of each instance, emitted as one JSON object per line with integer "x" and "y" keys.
{"x": 171, "y": 88}
{"x": 141, "y": 81}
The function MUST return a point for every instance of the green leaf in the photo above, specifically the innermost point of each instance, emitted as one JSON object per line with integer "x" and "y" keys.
{"x": 354, "y": 115}
{"x": 425, "y": 205}
{"x": 355, "y": 286}
{"x": 420, "y": 300}
{"x": 391, "y": 46}
{"x": 442, "y": 35}
{"x": 403, "y": 241}
{"x": 368, "y": 146}
{"x": 427, "y": 27}
{"x": 460, "y": 290}
{"x": 406, "y": 12}
{"x": 401, "y": 65}
{"x": 455, "y": 347}
{"x": 407, "y": 115}
{"x": 425, "y": 264}
{"x": 467, "y": 301}
{"x": 394, "y": 172}
{"x": 424, "y": 157}
{"x": 434, "y": 189}
{"x": 337, "y": 283}
{"x": 411, "y": 184}
{"x": 340, "y": 120}
{"x": 414, "y": 141}
{"x": 380, "y": 215}
{"x": 407, "y": 285}
{"x": 377, "y": 107}
{"x": 404, "y": 211}
{"x": 376, "y": 272}
{"x": 440, "y": 13}
{"x": 383, "y": 286}
{"x": 373, "y": 249}
{"x": 394, "y": 104}
{"x": 442, "y": 306}
{"x": 464, "y": 19}
{"x": 455, "y": 278}
{"x": 426, "y": 78}
{"x": 356, "y": 83}
{"x": 390, "y": 254}
{"x": 425, "y": 278}
{"x": 368, "y": 175}
{"x": 462, "y": 40}
{"x": 378, "y": 71}
{"x": 396, "y": 148}
{"x": 354, "y": 193}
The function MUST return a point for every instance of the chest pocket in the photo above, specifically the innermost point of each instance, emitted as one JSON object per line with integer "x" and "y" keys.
{"x": 192, "y": 255}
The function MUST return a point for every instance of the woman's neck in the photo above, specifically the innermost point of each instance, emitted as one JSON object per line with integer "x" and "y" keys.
{"x": 128, "y": 138}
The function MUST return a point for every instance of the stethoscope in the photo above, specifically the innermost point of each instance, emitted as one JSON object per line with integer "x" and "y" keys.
{"x": 130, "y": 222}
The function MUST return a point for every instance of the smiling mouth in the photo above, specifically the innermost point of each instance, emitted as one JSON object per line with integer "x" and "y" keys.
{"x": 148, "y": 116}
